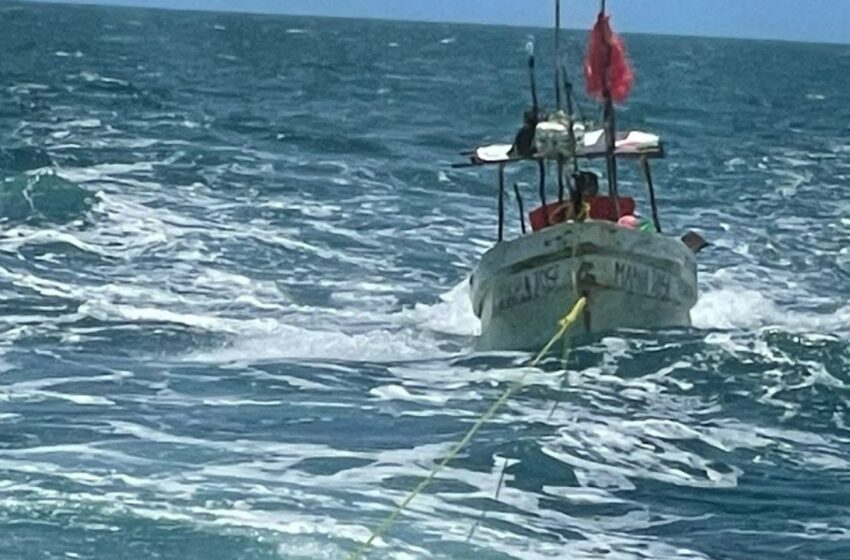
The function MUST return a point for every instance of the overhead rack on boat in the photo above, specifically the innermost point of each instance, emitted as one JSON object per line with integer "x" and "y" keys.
{"x": 629, "y": 145}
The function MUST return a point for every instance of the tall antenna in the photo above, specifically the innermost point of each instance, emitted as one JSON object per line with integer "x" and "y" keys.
{"x": 558, "y": 54}
{"x": 535, "y": 104}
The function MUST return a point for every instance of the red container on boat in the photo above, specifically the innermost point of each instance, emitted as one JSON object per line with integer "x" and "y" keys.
{"x": 601, "y": 208}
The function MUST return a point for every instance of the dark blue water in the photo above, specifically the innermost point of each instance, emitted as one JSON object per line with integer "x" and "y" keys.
{"x": 234, "y": 321}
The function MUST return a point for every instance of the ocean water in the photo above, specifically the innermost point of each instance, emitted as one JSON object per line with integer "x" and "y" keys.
{"x": 233, "y": 263}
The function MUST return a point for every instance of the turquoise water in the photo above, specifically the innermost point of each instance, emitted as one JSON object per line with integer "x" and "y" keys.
{"x": 233, "y": 263}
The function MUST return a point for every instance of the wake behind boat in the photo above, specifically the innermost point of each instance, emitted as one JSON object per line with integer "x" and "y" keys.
{"x": 582, "y": 245}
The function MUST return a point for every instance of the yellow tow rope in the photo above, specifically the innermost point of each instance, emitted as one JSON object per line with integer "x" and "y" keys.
{"x": 564, "y": 325}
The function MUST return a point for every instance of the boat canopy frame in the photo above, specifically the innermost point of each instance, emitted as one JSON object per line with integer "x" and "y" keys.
{"x": 565, "y": 140}
{"x": 642, "y": 156}
{"x": 629, "y": 145}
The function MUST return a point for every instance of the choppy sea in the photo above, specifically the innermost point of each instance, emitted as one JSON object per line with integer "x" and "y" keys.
{"x": 234, "y": 320}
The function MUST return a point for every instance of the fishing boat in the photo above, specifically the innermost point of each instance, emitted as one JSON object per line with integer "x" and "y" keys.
{"x": 582, "y": 244}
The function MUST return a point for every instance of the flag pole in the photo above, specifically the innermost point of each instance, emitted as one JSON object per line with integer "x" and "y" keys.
{"x": 610, "y": 125}
{"x": 558, "y": 95}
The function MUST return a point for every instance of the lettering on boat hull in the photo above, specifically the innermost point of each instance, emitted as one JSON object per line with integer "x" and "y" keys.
{"x": 643, "y": 280}
{"x": 591, "y": 275}
{"x": 529, "y": 286}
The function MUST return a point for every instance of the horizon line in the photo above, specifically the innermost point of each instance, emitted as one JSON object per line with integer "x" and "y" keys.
{"x": 107, "y": 5}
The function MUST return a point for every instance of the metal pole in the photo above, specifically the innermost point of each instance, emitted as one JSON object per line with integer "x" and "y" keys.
{"x": 568, "y": 89}
{"x": 558, "y": 96}
{"x": 560, "y": 179}
{"x": 534, "y": 101}
{"x": 501, "y": 202}
{"x": 541, "y": 167}
{"x": 610, "y": 147}
{"x": 644, "y": 163}
{"x": 520, "y": 206}
{"x": 575, "y": 194}
{"x": 610, "y": 129}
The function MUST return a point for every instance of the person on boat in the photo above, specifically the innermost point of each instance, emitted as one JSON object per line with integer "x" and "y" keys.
{"x": 585, "y": 187}
{"x": 587, "y": 184}
{"x": 524, "y": 141}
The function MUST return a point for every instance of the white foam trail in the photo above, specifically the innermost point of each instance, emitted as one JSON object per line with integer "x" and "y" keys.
{"x": 337, "y": 334}
{"x": 108, "y": 311}
{"x": 738, "y": 307}
{"x": 731, "y": 308}
{"x": 399, "y": 393}
{"x": 291, "y": 342}
{"x": 452, "y": 315}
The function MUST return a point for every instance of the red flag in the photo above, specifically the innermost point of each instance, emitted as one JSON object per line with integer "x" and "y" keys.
{"x": 620, "y": 76}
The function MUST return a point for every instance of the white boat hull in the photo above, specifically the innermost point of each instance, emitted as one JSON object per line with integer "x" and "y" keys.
{"x": 632, "y": 280}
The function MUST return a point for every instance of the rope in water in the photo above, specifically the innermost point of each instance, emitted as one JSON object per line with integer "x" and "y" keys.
{"x": 564, "y": 325}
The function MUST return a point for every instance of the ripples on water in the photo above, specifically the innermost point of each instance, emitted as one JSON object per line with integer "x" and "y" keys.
{"x": 235, "y": 325}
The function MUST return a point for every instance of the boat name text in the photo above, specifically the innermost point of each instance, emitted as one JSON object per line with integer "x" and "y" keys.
{"x": 642, "y": 280}
{"x": 529, "y": 286}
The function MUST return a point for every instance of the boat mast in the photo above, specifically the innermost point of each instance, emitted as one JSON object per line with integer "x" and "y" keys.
{"x": 563, "y": 79}
{"x": 568, "y": 91}
{"x": 558, "y": 95}
{"x": 535, "y": 117}
{"x": 535, "y": 103}
{"x": 610, "y": 126}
